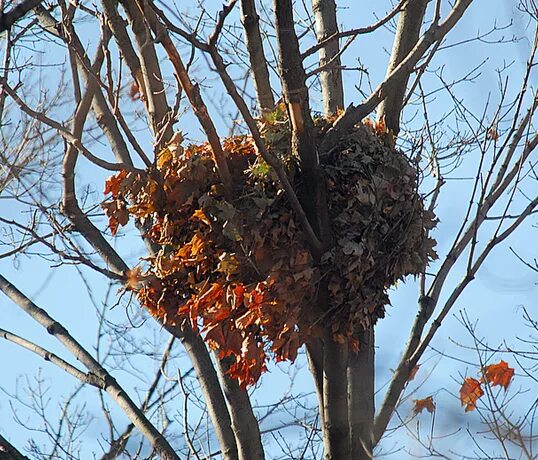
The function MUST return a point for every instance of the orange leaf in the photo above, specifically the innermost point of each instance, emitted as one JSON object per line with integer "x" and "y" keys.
{"x": 380, "y": 127}
{"x": 199, "y": 214}
{"x": 117, "y": 214}
{"x": 197, "y": 244}
{"x": 113, "y": 183}
{"x": 247, "y": 319}
{"x": 498, "y": 374}
{"x": 470, "y": 392}
{"x": 420, "y": 404}
{"x": 214, "y": 336}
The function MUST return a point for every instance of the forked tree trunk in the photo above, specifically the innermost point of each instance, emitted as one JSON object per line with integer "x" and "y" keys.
{"x": 331, "y": 78}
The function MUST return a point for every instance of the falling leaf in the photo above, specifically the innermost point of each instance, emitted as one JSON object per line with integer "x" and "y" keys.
{"x": 498, "y": 374}
{"x": 420, "y": 404}
{"x": 470, "y": 392}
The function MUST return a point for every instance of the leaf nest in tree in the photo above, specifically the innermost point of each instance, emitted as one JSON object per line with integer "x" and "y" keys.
{"x": 240, "y": 269}
{"x": 380, "y": 226}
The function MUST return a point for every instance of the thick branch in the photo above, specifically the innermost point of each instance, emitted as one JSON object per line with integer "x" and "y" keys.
{"x": 314, "y": 353}
{"x": 70, "y": 206}
{"x": 52, "y": 358}
{"x": 157, "y": 105}
{"x": 118, "y": 27}
{"x": 16, "y": 13}
{"x": 354, "y": 32}
{"x": 256, "y": 55}
{"x": 294, "y": 88}
{"x": 354, "y": 114}
{"x": 331, "y": 79}
{"x": 406, "y": 38}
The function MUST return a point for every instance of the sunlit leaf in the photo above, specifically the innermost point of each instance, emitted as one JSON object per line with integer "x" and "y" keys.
{"x": 470, "y": 392}
{"x": 498, "y": 374}
{"x": 420, "y": 404}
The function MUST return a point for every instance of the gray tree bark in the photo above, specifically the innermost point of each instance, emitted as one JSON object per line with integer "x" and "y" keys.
{"x": 360, "y": 375}
{"x": 407, "y": 34}
{"x": 332, "y": 89}
{"x": 256, "y": 55}
{"x": 244, "y": 423}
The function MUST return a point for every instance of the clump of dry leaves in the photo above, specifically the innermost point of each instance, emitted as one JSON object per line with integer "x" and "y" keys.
{"x": 240, "y": 270}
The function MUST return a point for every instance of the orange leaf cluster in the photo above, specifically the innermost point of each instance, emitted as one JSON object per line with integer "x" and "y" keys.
{"x": 239, "y": 270}
{"x": 494, "y": 374}
{"x": 236, "y": 271}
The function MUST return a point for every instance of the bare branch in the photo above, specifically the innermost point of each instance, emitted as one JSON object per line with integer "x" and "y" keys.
{"x": 111, "y": 386}
{"x": 16, "y": 13}
{"x": 354, "y": 114}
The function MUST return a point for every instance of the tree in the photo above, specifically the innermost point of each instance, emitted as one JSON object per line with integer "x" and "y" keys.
{"x": 287, "y": 233}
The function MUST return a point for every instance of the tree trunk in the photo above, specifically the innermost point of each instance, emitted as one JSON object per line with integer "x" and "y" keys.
{"x": 331, "y": 79}
{"x": 335, "y": 404}
{"x": 360, "y": 374}
{"x": 258, "y": 63}
{"x": 406, "y": 38}
{"x": 244, "y": 423}
{"x": 211, "y": 390}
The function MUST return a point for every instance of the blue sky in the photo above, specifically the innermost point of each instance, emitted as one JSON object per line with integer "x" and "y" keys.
{"x": 494, "y": 298}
